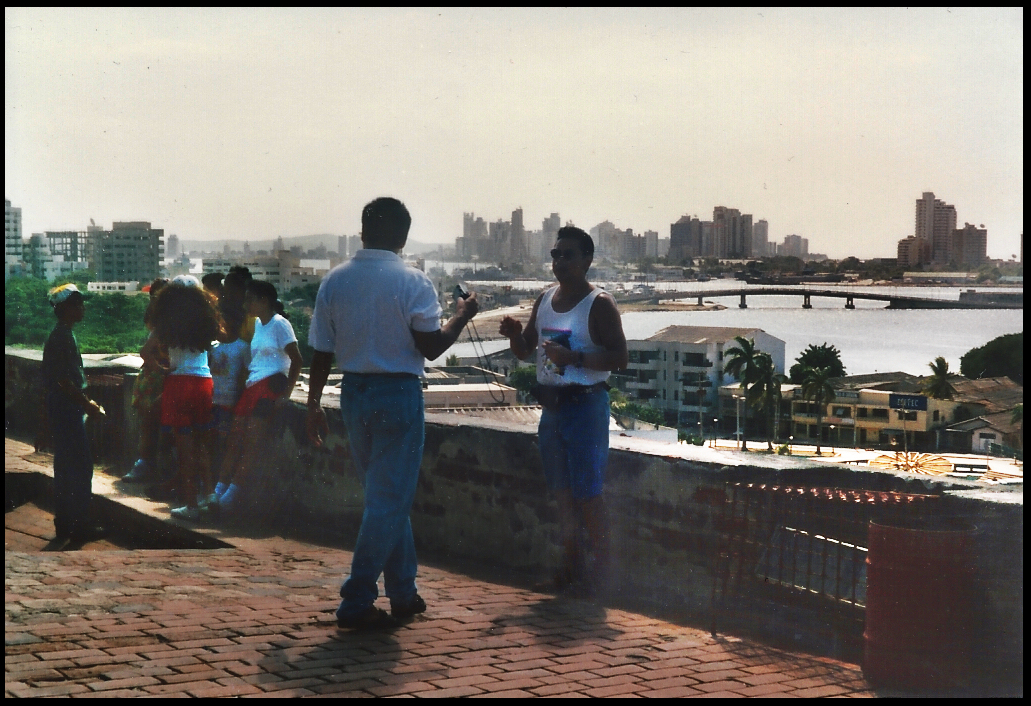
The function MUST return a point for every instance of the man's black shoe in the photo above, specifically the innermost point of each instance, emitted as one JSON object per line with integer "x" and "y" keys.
{"x": 82, "y": 535}
{"x": 407, "y": 610}
{"x": 372, "y": 618}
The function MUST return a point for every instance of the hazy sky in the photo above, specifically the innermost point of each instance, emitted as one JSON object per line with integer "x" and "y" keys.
{"x": 257, "y": 123}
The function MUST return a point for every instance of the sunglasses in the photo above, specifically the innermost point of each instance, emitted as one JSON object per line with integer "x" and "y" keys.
{"x": 557, "y": 254}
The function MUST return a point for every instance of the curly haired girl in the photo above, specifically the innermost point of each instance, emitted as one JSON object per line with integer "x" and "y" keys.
{"x": 186, "y": 320}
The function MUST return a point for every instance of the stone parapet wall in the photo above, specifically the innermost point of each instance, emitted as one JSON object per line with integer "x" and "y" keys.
{"x": 482, "y": 499}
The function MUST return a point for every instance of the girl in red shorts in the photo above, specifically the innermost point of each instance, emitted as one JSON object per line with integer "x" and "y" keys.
{"x": 186, "y": 320}
{"x": 273, "y": 370}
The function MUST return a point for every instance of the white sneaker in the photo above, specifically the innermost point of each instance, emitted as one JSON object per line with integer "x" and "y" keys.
{"x": 190, "y": 514}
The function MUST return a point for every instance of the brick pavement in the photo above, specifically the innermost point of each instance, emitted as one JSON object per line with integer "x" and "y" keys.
{"x": 257, "y": 619}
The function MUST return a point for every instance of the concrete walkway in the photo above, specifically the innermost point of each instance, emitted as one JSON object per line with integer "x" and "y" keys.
{"x": 257, "y": 619}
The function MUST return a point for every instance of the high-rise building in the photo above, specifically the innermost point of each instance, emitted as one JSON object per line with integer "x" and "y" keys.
{"x": 935, "y": 222}
{"x": 760, "y": 238}
{"x": 970, "y": 245}
{"x": 733, "y": 231}
{"x": 517, "y": 238}
{"x": 607, "y": 240}
{"x": 68, "y": 244}
{"x": 172, "y": 249}
{"x": 651, "y": 243}
{"x": 130, "y": 251}
{"x": 795, "y": 246}
{"x": 685, "y": 239}
{"x": 13, "y": 246}
{"x": 913, "y": 252}
{"x": 549, "y": 232}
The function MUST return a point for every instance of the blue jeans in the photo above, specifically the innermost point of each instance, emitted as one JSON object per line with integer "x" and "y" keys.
{"x": 386, "y": 428}
{"x": 73, "y": 465}
{"x": 574, "y": 441}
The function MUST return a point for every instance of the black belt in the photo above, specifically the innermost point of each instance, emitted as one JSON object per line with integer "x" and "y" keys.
{"x": 381, "y": 375}
{"x": 554, "y": 396}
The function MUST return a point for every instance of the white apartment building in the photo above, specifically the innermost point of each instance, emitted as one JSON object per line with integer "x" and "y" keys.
{"x": 680, "y": 369}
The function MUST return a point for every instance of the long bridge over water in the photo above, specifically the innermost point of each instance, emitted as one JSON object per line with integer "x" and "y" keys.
{"x": 895, "y": 301}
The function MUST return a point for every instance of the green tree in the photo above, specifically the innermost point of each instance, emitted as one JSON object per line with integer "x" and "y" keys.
{"x": 741, "y": 363}
{"x": 28, "y": 318}
{"x": 765, "y": 394}
{"x": 1002, "y": 356}
{"x": 618, "y": 404}
{"x": 939, "y": 383}
{"x": 523, "y": 378}
{"x": 849, "y": 264}
{"x": 824, "y": 355}
{"x": 113, "y": 324}
{"x": 816, "y": 388}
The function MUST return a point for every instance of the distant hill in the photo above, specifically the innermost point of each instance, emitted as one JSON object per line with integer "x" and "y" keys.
{"x": 307, "y": 242}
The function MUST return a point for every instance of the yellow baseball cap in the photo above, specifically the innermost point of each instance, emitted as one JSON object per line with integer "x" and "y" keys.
{"x": 62, "y": 293}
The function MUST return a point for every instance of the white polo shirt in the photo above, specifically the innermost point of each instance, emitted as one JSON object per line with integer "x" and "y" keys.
{"x": 366, "y": 310}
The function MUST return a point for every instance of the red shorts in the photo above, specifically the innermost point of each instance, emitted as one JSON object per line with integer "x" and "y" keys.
{"x": 252, "y": 396}
{"x": 186, "y": 401}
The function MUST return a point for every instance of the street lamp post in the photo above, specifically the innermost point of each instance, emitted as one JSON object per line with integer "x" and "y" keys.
{"x": 715, "y": 423}
{"x": 737, "y": 406}
{"x": 791, "y": 440}
{"x": 832, "y": 439}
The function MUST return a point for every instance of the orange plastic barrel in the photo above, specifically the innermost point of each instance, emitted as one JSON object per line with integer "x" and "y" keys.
{"x": 919, "y": 608}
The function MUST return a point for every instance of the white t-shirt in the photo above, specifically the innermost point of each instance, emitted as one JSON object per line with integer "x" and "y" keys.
{"x": 268, "y": 354}
{"x": 366, "y": 310}
{"x": 228, "y": 361}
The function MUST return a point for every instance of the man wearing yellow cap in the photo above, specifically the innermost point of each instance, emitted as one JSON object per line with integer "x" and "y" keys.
{"x": 64, "y": 382}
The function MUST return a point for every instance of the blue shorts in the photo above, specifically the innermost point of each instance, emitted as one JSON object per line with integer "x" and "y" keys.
{"x": 574, "y": 441}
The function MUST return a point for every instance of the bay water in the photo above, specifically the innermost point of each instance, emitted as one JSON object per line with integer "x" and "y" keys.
{"x": 870, "y": 337}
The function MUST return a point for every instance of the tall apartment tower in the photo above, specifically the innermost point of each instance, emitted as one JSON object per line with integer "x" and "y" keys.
{"x": 970, "y": 245}
{"x": 795, "y": 245}
{"x": 13, "y": 248}
{"x": 733, "y": 231}
{"x": 517, "y": 240}
{"x": 935, "y": 222}
{"x": 685, "y": 239}
{"x": 760, "y": 238}
{"x": 130, "y": 251}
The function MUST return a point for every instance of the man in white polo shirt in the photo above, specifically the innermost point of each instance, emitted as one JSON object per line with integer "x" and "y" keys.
{"x": 381, "y": 319}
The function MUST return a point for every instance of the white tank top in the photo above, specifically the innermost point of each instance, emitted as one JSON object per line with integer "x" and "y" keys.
{"x": 571, "y": 329}
{"x": 185, "y": 361}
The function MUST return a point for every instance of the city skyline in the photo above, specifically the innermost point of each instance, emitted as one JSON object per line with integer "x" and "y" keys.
{"x": 253, "y": 124}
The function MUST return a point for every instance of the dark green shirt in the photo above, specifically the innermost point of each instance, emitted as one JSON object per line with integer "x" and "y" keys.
{"x": 61, "y": 360}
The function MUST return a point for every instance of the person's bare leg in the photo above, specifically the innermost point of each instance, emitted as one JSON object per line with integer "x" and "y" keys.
{"x": 234, "y": 450}
{"x": 186, "y": 444}
{"x": 254, "y": 447}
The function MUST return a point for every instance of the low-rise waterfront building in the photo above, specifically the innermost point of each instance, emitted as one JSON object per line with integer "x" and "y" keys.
{"x": 680, "y": 369}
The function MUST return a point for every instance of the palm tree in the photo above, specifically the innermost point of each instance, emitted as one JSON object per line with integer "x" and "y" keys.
{"x": 765, "y": 393}
{"x": 740, "y": 362}
{"x": 824, "y": 355}
{"x": 938, "y": 385}
{"x": 816, "y": 388}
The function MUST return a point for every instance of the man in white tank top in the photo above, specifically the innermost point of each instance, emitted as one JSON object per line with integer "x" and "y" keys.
{"x": 577, "y": 334}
